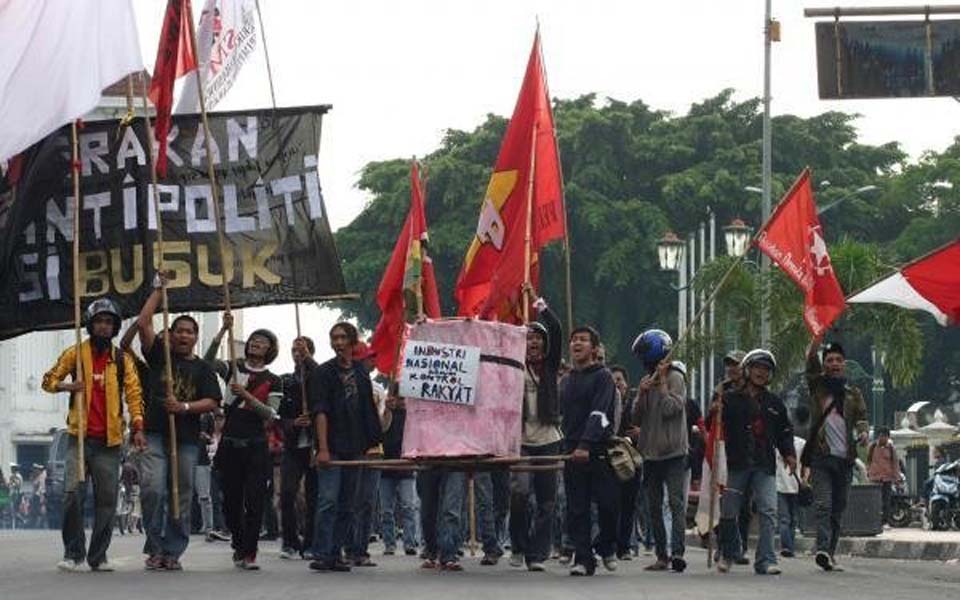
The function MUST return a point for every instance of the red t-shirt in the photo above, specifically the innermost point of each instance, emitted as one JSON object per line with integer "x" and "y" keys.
{"x": 97, "y": 412}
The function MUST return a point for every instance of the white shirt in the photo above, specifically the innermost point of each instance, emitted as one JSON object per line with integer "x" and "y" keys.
{"x": 787, "y": 483}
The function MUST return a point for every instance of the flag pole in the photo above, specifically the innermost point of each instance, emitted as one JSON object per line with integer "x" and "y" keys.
{"x": 527, "y": 240}
{"x": 714, "y": 482}
{"x": 266, "y": 55}
{"x": 80, "y": 396}
{"x": 165, "y": 304}
{"x": 212, "y": 175}
{"x": 903, "y": 266}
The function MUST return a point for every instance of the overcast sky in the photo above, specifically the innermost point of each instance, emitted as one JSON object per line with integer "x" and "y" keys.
{"x": 398, "y": 73}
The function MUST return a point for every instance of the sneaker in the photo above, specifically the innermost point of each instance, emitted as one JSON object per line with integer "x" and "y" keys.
{"x": 723, "y": 566}
{"x": 565, "y": 559}
{"x": 678, "y": 564}
{"x": 823, "y": 561}
{"x": 70, "y": 566}
{"x": 625, "y": 555}
{"x": 363, "y": 561}
{"x": 516, "y": 559}
{"x": 248, "y": 563}
{"x": 452, "y": 566}
{"x": 289, "y": 554}
{"x": 410, "y": 551}
{"x": 742, "y": 560}
{"x": 389, "y": 551}
{"x": 216, "y": 535}
{"x": 610, "y": 563}
{"x": 836, "y": 566}
{"x": 771, "y": 570}
{"x": 660, "y": 565}
{"x": 489, "y": 560}
{"x": 787, "y": 553}
{"x": 324, "y": 565}
{"x": 172, "y": 564}
{"x": 578, "y": 571}
{"x": 103, "y": 566}
{"x": 536, "y": 567}
{"x": 153, "y": 563}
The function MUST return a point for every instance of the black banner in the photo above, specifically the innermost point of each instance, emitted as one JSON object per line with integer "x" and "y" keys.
{"x": 277, "y": 235}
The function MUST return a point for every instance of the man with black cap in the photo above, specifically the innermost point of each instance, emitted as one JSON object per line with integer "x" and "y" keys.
{"x": 541, "y": 437}
{"x": 108, "y": 376}
{"x": 839, "y": 416}
{"x": 243, "y": 457}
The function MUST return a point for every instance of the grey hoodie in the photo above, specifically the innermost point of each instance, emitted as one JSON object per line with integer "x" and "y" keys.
{"x": 661, "y": 416}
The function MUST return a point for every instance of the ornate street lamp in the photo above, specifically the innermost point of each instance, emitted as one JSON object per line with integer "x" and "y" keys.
{"x": 670, "y": 251}
{"x": 737, "y": 236}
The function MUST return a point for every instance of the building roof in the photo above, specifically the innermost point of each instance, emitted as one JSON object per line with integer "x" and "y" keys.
{"x": 119, "y": 88}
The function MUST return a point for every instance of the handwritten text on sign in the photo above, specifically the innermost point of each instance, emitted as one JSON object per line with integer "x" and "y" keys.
{"x": 440, "y": 372}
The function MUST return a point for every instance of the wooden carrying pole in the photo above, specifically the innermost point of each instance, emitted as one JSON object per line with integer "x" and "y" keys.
{"x": 79, "y": 397}
{"x": 165, "y": 305}
{"x": 714, "y": 482}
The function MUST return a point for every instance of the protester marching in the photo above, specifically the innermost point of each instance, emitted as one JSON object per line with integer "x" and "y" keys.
{"x": 441, "y": 437}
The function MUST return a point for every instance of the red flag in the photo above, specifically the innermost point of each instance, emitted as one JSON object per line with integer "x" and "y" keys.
{"x": 793, "y": 238}
{"x": 176, "y": 57}
{"x": 409, "y": 286}
{"x": 493, "y": 271}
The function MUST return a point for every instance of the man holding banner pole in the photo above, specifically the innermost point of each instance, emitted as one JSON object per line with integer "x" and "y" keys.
{"x": 195, "y": 391}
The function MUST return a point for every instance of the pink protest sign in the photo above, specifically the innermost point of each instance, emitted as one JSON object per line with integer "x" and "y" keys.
{"x": 489, "y": 425}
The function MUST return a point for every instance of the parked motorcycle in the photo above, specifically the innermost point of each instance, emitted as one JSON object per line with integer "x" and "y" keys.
{"x": 944, "y": 503}
{"x": 904, "y": 510}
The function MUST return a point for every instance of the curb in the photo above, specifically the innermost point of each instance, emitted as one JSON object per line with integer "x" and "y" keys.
{"x": 872, "y": 548}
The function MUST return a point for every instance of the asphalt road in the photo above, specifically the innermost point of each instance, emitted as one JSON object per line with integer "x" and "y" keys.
{"x": 27, "y": 572}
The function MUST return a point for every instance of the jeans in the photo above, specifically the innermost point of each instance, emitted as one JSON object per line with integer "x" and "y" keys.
{"x": 533, "y": 542}
{"x": 296, "y": 466}
{"x": 392, "y": 489}
{"x": 246, "y": 469}
{"x": 358, "y": 538}
{"x": 441, "y": 500}
{"x": 672, "y": 473}
{"x": 587, "y": 482}
{"x": 788, "y": 508}
{"x": 166, "y": 536}
{"x": 764, "y": 488}
{"x": 831, "y": 485}
{"x": 201, "y": 481}
{"x": 488, "y": 487}
{"x": 627, "y": 527}
{"x": 336, "y": 495}
{"x": 103, "y": 467}
{"x": 886, "y": 491}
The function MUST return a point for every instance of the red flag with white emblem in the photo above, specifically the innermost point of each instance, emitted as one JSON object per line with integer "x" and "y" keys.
{"x": 793, "y": 239}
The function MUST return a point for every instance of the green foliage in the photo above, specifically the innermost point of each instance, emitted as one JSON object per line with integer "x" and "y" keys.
{"x": 632, "y": 172}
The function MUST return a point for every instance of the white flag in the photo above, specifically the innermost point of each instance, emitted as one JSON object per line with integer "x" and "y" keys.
{"x": 226, "y": 37}
{"x": 58, "y": 56}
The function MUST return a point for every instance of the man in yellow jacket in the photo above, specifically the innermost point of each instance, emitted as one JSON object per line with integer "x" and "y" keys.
{"x": 109, "y": 377}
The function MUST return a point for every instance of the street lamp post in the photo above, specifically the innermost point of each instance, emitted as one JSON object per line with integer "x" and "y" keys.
{"x": 768, "y": 36}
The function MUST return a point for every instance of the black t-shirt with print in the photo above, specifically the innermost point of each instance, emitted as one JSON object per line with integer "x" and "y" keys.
{"x": 242, "y": 422}
{"x": 193, "y": 379}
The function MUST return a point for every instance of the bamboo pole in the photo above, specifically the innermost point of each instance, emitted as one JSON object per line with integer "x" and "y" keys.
{"x": 714, "y": 482}
{"x": 80, "y": 397}
{"x": 165, "y": 306}
{"x": 528, "y": 238}
{"x": 472, "y": 510}
{"x": 212, "y": 176}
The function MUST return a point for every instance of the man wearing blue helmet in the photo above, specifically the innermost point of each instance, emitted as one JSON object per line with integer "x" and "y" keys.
{"x": 660, "y": 413}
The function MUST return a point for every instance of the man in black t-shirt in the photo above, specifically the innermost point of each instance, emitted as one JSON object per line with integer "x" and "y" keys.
{"x": 347, "y": 425}
{"x": 195, "y": 391}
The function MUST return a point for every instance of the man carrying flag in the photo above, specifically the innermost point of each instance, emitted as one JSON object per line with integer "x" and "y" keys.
{"x": 522, "y": 208}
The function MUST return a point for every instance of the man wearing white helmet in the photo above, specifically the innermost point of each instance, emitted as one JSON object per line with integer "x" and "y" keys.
{"x": 755, "y": 424}
{"x": 109, "y": 375}
{"x": 660, "y": 413}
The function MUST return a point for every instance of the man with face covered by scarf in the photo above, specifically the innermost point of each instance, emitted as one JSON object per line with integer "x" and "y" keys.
{"x": 109, "y": 375}
{"x": 838, "y": 416}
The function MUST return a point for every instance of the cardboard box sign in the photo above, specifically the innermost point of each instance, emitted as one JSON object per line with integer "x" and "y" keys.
{"x": 456, "y": 410}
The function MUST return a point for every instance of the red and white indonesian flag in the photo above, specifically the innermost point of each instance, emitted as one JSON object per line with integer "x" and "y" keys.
{"x": 226, "y": 37}
{"x": 58, "y": 56}
{"x": 714, "y": 474}
{"x": 931, "y": 283}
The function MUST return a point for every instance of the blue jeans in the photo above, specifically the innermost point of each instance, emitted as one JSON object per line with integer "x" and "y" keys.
{"x": 441, "y": 500}
{"x": 762, "y": 486}
{"x": 166, "y": 536}
{"x": 788, "y": 509}
{"x": 392, "y": 489}
{"x": 336, "y": 494}
{"x": 669, "y": 474}
{"x": 358, "y": 538}
{"x": 490, "y": 519}
{"x": 831, "y": 485}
